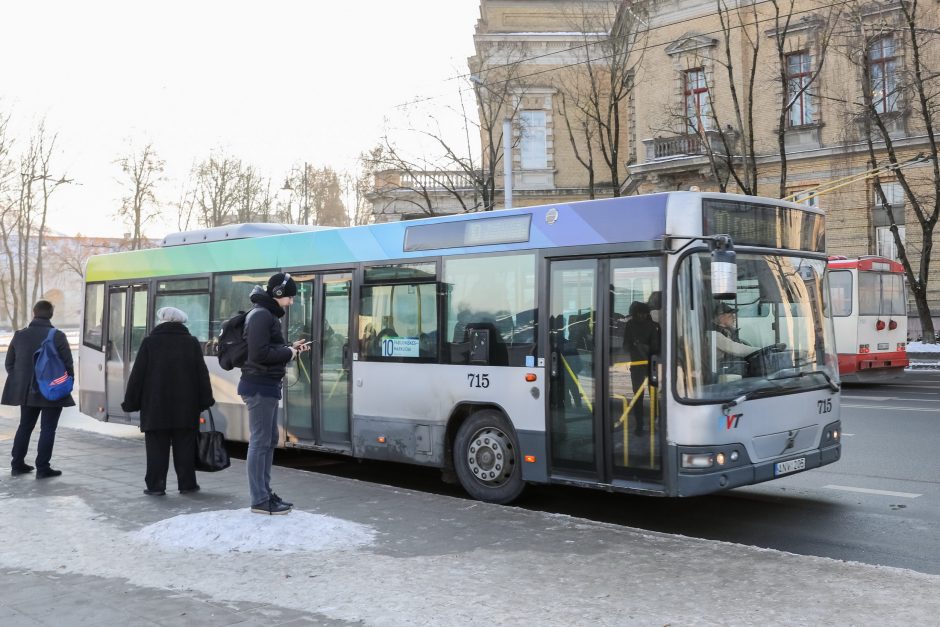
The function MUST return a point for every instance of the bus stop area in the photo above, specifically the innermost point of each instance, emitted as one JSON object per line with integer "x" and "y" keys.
{"x": 90, "y": 548}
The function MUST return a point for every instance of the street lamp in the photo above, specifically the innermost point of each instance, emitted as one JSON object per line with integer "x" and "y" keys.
{"x": 507, "y": 145}
{"x": 304, "y": 207}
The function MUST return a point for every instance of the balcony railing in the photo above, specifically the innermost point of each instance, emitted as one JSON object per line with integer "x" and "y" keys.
{"x": 686, "y": 145}
{"x": 436, "y": 180}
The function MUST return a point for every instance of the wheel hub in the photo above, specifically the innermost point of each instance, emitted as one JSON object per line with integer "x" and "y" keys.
{"x": 488, "y": 454}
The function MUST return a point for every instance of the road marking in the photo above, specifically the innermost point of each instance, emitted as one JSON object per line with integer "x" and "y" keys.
{"x": 903, "y": 495}
{"x": 882, "y": 407}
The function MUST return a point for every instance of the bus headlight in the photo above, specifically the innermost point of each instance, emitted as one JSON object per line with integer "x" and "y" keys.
{"x": 698, "y": 460}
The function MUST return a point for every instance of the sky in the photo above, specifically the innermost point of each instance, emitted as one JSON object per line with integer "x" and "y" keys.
{"x": 275, "y": 84}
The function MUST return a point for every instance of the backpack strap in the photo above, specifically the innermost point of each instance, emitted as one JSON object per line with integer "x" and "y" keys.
{"x": 51, "y": 334}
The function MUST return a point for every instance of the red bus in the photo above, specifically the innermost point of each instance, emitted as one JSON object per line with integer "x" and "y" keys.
{"x": 869, "y": 312}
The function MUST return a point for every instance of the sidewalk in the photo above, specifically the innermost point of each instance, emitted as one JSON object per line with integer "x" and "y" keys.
{"x": 89, "y": 548}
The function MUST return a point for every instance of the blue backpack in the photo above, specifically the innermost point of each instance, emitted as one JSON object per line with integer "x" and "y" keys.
{"x": 54, "y": 381}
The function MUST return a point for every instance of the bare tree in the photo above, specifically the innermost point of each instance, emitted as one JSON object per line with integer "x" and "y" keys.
{"x": 499, "y": 93}
{"x": 253, "y": 201}
{"x": 417, "y": 182}
{"x": 23, "y": 224}
{"x": 142, "y": 170}
{"x": 67, "y": 255}
{"x": 217, "y": 182}
{"x": 592, "y": 100}
{"x": 797, "y": 95}
{"x": 896, "y": 86}
{"x": 319, "y": 196}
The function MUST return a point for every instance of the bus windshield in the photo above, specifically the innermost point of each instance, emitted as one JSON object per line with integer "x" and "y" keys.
{"x": 775, "y": 337}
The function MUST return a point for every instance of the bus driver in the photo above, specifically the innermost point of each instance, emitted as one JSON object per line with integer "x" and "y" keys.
{"x": 729, "y": 345}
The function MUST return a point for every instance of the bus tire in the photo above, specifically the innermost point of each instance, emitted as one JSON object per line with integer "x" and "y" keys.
{"x": 487, "y": 458}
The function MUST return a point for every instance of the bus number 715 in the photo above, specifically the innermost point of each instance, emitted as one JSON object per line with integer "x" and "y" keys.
{"x": 479, "y": 380}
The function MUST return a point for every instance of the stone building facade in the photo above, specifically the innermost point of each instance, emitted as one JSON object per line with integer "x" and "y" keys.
{"x": 799, "y": 78}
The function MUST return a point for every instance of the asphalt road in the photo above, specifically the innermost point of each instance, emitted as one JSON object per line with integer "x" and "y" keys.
{"x": 880, "y": 504}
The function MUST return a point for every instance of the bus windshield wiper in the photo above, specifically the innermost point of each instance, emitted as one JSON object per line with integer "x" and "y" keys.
{"x": 835, "y": 387}
{"x": 755, "y": 393}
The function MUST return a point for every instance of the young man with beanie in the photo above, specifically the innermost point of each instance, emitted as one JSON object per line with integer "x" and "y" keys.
{"x": 260, "y": 385}
{"x": 21, "y": 389}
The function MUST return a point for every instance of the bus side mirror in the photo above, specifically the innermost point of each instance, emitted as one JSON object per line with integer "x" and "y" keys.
{"x": 724, "y": 270}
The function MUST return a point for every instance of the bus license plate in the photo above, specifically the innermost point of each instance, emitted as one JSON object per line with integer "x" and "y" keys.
{"x": 782, "y": 468}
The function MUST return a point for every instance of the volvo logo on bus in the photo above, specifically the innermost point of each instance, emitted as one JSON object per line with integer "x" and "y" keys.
{"x": 791, "y": 439}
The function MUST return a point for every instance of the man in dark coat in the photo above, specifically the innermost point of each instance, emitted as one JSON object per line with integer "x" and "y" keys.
{"x": 21, "y": 389}
{"x": 169, "y": 385}
{"x": 260, "y": 386}
{"x": 641, "y": 341}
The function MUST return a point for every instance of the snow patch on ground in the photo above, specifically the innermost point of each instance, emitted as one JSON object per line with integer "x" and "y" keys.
{"x": 241, "y": 531}
{"x": 920, "y": 347}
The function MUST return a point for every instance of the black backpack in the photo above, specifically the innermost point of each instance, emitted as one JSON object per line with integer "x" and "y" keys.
{"x": 233, "y": 346}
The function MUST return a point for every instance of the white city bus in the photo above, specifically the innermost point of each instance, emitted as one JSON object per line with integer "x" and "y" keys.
{"x": 869, "y": 312}
{"x": 491, "y": 345}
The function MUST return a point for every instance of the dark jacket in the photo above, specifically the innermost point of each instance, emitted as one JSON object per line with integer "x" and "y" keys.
{"x": 268, "y": 353}
{"x": 641, "y": 337}
{"x": 21, "y": 388}
{"x": 169, "y": 383}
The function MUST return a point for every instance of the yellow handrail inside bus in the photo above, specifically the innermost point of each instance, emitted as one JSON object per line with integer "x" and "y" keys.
{"x": 577, "y": 382}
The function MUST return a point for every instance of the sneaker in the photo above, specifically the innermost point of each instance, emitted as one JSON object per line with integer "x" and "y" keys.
{"x": 274, "y": 497}
{"x": 270, "y": 507}
{"x": 155, "y": 492}
{"x": 20, "y": 469}
{"x": 45, "y": 473}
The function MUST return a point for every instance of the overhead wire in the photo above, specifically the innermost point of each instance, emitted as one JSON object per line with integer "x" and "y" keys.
{"x": 585, "y": 45}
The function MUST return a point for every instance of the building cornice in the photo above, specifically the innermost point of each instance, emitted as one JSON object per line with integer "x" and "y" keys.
{"x": 690, "y": 42}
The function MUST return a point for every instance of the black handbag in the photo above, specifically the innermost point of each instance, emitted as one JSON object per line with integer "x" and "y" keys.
{"x": 211, "y": 455}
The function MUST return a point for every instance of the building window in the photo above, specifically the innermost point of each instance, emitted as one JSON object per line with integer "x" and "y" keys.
{"x": 533, "y": 145}
{"x": 884, "y": 239}
{"x": 697, "y": 107}
{"x": 801, "y": 105}
{"x": 883, "y": 66}
{"x": 807, "y": 198}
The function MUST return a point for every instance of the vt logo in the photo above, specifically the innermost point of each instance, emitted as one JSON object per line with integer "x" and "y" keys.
{"x": 731, "y": 421}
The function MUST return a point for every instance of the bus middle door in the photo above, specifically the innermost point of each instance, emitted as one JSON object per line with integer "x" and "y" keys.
{"x": 317, "y": 383}
{"x": 603, "y": 411}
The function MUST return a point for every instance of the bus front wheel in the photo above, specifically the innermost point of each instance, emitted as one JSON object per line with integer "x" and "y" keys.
{"x": 486, "y": 458}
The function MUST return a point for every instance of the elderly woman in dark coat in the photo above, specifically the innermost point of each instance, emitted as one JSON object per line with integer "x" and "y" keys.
{"x": 169, "y": 386}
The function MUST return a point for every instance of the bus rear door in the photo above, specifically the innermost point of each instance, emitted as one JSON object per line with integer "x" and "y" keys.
{"x": 128, "y": 307}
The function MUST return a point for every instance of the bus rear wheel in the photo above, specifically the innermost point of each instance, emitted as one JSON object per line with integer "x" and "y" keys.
{"x": 486, "y": 458}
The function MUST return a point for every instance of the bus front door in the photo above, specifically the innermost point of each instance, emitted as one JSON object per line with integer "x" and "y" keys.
{"x": 317, "y": 384}
{"x": 127, "y": 327}
{"x": 603, "y": 412}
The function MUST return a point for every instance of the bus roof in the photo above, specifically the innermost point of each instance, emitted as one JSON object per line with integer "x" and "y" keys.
{"x": 638, "y": 219}
{"x": 235, "y": 231}
{"x": 867, "y": 262}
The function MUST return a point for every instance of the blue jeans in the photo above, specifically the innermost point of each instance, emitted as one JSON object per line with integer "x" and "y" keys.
{"x": 262, "y": 440}
{"x": 28, "y": 417}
